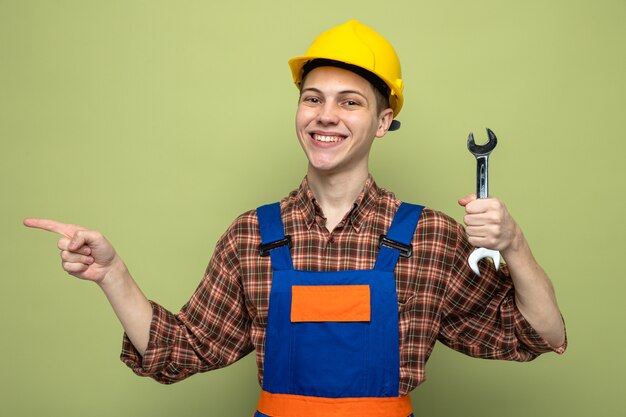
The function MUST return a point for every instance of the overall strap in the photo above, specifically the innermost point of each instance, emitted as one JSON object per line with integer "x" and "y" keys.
{"x": 397, "y": 242}
{"x": 273, "y": 240}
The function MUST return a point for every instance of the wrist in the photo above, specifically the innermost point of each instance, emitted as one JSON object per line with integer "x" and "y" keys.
{"x": 117, "y": 274}
{"x": 518, "y": 254}
{"x": 517, "y": 243}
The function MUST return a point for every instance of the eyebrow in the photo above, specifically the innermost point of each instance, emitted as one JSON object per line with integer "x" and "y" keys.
{"x": 342, "y": 92}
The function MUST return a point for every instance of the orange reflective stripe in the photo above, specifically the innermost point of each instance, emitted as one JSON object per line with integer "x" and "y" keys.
{"x": 330, "y": 303}
{"x": 287, "y": 405}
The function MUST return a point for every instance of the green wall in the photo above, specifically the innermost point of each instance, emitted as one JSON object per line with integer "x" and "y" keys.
{"x": 157, "y": 122}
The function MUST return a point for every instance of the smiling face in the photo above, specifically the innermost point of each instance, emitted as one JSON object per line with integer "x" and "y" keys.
{"x": 337, "y": 121}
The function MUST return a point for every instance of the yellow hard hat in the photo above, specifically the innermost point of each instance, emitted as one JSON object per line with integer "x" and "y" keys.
{"x": 355, "y": 44}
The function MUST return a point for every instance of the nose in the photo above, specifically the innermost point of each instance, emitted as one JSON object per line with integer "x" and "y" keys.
{"x": 328, "y": 114}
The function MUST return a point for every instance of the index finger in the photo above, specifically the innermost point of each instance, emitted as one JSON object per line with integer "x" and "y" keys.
{"x": 64, "y": 229}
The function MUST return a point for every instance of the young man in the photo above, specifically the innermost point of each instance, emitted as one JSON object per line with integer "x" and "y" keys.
{"x": 340, "y": 288}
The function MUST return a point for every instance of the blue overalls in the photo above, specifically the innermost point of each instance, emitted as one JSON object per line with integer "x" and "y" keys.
{"x": 332, "y": 345}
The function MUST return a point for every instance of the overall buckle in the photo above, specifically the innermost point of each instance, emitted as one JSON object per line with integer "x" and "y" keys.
{"x": 405, "y": 250}
{"x": 264, "y": 249}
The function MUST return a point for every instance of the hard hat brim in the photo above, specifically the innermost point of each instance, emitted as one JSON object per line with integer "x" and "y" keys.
{"x": 297, "y": 64}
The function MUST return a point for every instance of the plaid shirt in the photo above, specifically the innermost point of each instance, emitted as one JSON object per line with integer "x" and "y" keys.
{"x": 439, "y": 296}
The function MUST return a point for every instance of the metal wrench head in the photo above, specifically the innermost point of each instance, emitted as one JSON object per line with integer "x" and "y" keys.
{"x": 484, "y": 149}
{"x": 480, "y": 253}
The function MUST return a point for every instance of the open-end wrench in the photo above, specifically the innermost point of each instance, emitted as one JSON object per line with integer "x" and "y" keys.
{"x": 481, "y": 152}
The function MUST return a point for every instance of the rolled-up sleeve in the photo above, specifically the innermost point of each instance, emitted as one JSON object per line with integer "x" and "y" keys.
{"x": 211, "y": 330}
{"x": 479, "y": 316}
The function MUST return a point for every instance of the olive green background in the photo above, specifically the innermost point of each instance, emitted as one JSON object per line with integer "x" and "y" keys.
{"x": 157, "y": 122}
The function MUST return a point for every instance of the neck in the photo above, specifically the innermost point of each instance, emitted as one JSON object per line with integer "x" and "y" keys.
{"x": 336, "y": 193}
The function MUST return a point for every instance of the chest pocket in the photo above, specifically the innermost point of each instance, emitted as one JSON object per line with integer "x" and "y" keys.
{"x": 330, "y": 334}
{"x": 330, "y": 303}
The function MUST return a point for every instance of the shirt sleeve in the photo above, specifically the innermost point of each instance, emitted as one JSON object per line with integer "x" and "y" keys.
{"x": 210, "y": 331}
{"x": 479, "y": 314}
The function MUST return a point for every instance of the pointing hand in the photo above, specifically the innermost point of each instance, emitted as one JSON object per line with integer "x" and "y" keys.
{"x": 85, "y": 254}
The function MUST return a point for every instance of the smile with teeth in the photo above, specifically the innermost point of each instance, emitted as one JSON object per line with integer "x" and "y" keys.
{"x": 327, "y": 138}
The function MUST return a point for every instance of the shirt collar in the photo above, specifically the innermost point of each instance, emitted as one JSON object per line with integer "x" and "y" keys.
{"x": 362, "y": 208}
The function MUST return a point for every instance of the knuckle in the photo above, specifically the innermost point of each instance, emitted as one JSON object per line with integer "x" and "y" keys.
{"x": 493, "y": 217}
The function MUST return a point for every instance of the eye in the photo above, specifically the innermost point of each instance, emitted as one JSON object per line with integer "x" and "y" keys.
{"x": 310, "y": 99}
{"x": 351, "y": 102}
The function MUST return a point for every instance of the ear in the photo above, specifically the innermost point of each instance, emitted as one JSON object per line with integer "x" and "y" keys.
{"x": 384, "y": 121}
